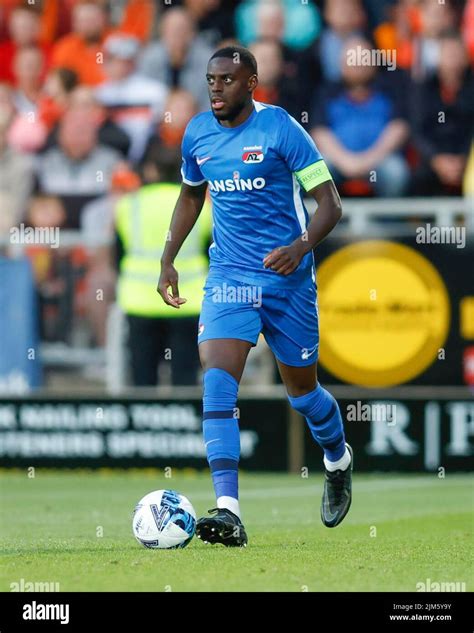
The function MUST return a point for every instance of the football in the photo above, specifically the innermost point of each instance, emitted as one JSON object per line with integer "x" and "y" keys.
{"x": 164, "y": 519}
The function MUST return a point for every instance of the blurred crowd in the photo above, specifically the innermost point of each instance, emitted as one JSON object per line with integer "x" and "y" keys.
{"x": 95, "y": 96}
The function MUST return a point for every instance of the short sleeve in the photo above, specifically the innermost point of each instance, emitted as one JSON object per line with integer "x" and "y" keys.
{"x": 300, "y": 153}
{"x": 296, "y": 146}
{"x": 190, "y": 171}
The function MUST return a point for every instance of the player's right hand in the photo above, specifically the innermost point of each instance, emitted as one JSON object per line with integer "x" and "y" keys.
{"x": 169, "y": 278}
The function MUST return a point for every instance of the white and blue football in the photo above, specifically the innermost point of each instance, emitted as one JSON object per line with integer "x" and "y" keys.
{"x": 164, "y": 519}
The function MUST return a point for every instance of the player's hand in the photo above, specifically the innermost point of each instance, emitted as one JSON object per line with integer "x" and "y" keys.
{"x": 284, "y": 259}
{"x": 169, "y": 278}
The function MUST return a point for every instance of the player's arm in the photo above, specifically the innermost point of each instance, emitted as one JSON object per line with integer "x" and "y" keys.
{"x": 303, "y": 159}
{"x": 185, "y": 214}
{"x": 285, "y": 259}
{"x": 328, "y": 214}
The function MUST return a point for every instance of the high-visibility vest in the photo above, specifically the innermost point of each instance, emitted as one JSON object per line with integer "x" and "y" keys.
{"x": 142, "y": 223}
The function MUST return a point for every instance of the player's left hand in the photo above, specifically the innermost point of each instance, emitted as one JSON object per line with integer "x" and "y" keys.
{"x": 284, "y": 259}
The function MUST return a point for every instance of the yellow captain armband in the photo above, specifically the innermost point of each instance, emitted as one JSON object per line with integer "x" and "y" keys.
{"x": 313, "y": 175}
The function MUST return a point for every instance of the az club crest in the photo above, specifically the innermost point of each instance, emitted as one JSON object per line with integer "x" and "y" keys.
{"x": 252, "y": 156}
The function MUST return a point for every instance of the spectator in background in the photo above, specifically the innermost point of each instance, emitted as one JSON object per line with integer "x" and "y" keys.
{"x": 97, "y": 226}
{"x": 45, "y": 211}
{"x": 179, "y": 59}
{"x": 39, "y": 111}
{"x": 270, "y": 21}
{"x": 302, "y": 22}
{"x": 28, "y": 133}
{"x": 134, "y": 17}
{"x": 98, "y": 217}
{"x": 436, "y": 19}
{"x": 378, "y": 11}
{"x": 399, "y": 30}
{"x": 134, "y": 102}
{"x": 6, "y": 8}
{"x": 297, "y": 69}
{"x": 214, "y": 19}
{"x": 164, "y": 147}
{"x": 359, "y": 128}
{"x": 28, "y": 70}
{"x": 468, "y": 28}
{"x": 78, "y": 169}
{"x": 81, "y": 50}
{"x": 53, "y": 278}
{"x": 16, "y": 170}
{"x": 273, "y": 86}
{"x": 414, "y": 33}
{"x": 83, "y": 99}
{"x": 55, "y": 18}
{"x": 344, "y": 19}
{"x": 24, "y": 30}
{"x": 56, "y": 96}
{"x": 157, "y": 333}
{"x": 442, "y": 111}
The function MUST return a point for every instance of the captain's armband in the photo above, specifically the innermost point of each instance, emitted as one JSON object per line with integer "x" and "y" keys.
{"x": 313, "y": 175}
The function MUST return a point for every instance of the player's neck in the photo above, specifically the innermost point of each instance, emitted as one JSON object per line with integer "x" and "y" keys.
{"x": 241, "y": 117}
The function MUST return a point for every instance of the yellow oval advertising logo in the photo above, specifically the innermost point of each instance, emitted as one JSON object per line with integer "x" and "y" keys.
{"x": 384, "y": 313}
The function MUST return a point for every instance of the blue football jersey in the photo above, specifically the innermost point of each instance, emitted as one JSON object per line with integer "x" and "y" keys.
{"x": 255, "y": 172}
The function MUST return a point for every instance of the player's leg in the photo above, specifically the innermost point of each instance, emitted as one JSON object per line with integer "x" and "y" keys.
{"x": 229, "y": 326}
{"x": 223, "y": 362}
{"x": 290, "y": 322}
{"x": 320, "y": 409}
{"x": 228, "y": 354}
{"x": 324, "y": 419}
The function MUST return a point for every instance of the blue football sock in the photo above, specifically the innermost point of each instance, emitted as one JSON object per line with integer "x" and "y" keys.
{"x": 221, "y": 431}
{"x": 324, "y": 420}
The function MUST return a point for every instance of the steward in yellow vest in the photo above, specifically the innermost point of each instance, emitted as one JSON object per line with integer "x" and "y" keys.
{"x": 142, "y": 223}
{"x": 156, "y": 331}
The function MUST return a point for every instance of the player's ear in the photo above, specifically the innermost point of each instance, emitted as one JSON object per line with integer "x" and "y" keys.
{"x": 253, "y": 82}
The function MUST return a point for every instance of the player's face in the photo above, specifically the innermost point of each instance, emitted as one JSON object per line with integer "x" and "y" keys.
{"x": 230, "y": 87}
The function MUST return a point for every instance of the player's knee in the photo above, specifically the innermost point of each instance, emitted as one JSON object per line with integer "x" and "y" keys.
{"x": 303, "y": 397}
{"x": 218, "y": 382}
{"x": 299, "y": 381}
{"x": 296, "y": 391}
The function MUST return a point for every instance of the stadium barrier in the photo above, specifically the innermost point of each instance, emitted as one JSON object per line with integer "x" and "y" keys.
{"x": 409, "y": 429}
{"x": 364, "y": 216}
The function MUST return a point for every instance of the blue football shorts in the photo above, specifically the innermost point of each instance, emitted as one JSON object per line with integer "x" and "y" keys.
{"x": 287, "y": 318}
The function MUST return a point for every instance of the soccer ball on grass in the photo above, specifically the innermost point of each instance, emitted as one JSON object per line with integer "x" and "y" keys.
{"x": 164, "y": 519}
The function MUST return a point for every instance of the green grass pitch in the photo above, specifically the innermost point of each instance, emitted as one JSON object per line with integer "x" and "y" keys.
{"x": 74, "y": 528}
